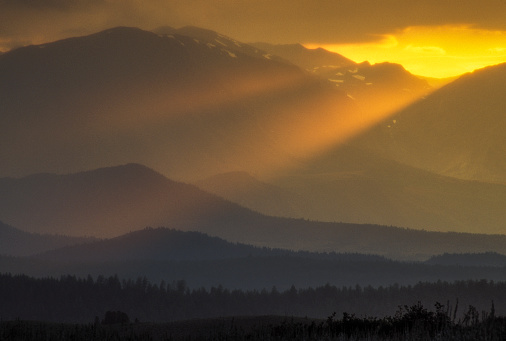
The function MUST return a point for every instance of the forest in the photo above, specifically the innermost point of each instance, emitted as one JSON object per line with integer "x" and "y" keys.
{"x": 111, "y": 309}
{"x": 81, "y": 300}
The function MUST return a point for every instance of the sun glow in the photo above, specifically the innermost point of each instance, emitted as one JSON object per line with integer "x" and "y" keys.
{"x": 432, "y": 51}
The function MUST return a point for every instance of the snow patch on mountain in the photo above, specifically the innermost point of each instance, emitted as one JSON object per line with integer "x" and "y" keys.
{"x": 232, "y": 55}
{"x": 220, "y": 42}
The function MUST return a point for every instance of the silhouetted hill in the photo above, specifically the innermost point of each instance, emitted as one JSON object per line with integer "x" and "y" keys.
{"x": 456, "y": 131}
{"x": 469, "y": 259}
{"x": 162, "y": 244}
{"x": 154, "y": 244}
{"x": 15, "y": 242}
{"x": 313, "y": 60}
{"x": 116, "y": 200}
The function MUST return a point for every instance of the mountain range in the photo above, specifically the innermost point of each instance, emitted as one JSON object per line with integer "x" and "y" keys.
{"x": 192, "y": 103}
{"x": 112, "y": 201}
{"x": 202, "y": 261}
{"x": 353, "y": 147}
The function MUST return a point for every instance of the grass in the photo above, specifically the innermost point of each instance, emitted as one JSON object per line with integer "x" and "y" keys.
{"x": 409, "y": 323}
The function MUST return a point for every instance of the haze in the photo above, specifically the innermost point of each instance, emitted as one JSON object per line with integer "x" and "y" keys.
{"x": 235, "y": 162}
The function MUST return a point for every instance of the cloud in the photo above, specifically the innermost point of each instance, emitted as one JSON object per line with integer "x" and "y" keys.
{"x": 317, "y": 21}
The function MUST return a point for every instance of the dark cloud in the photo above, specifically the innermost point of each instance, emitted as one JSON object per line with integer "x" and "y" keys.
{"x": 348, "y": 20}
{"x": 321, "y": 21}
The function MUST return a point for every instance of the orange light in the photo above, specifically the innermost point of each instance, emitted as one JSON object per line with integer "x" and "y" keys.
{"x": 432, "y": 51}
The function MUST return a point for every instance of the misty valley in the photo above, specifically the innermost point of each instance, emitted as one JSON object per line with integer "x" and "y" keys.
{"x": 178, "y": 184}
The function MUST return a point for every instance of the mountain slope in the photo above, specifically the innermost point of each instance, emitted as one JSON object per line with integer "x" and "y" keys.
{"x": 181, "y": 104}
{"x": 456, "y": 131}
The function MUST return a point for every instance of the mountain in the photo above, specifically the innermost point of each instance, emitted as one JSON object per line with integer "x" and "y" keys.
{"x": 184, "y": 105}
{"x": 108, "y": 202}
{"x": 348, "y": 184}
{"x": 112, "y": 201}
{"x": 15, "y": 242}
{"x": 313, "y": 60}
{"x": 456, "y": 131}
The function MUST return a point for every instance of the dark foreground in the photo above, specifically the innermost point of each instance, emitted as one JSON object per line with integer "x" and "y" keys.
{"x": 409, "y": 323}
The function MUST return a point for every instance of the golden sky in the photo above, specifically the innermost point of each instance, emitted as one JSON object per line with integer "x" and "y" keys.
{"x": 433, "y": 51}
{"x": 437, "y": 38}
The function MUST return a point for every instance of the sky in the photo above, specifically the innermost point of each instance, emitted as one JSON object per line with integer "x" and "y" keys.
{"x": 437, "y": 38}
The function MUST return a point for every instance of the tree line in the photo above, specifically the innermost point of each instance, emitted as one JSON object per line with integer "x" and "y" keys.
{"x": 73, "y": 299}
